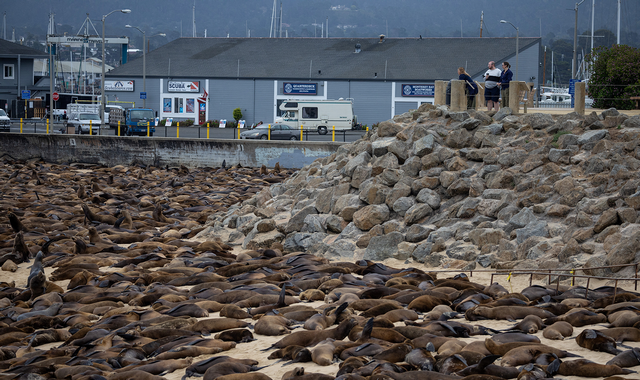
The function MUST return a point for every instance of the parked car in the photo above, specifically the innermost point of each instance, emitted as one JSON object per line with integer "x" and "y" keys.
{"x": 278, "y": 132}
{"x": 83, "y": 121}
{"x": 5, "y": 122}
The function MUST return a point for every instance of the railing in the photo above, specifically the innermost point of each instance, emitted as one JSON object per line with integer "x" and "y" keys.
{"x": 200, "y": 132}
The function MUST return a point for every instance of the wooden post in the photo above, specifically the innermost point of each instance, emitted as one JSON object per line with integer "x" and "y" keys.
{"x": 514, "y": 96}
{"x": 458, "y": 98}
{"x": 578, "y": 105}
{"x": 440, "y": 96}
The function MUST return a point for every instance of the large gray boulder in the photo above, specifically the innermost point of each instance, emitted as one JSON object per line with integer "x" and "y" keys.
{"x": 383, "y": 247}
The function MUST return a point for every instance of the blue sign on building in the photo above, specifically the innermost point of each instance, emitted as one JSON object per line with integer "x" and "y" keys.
{"x": 26, "y": 94}
{"x": 143, "y": 95}
{"x": 418, "y": 90}
{"x": 300, "y": 88}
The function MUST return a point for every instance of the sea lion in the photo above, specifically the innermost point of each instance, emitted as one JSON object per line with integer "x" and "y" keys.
{"x": 322, "y": 353}
{"x": 309, "y": 338}
{"x": 527, "y": 353}
{"x": 200, "y": 367}
{"x": 587, "y": 368}
{"x": 530, "y": 324}
{"x": 325, "y": 319}
{"x": 578, "y": 318}
{"x": 236, "y": 335}
{"x": 558, "y": 331}
{"x": 620, "y": 334}
{"x": 245, "y": 376}
{"x": 37, "y": 278}
{"x": 395, "y": 353}
{"x": 299, "y": 374}
{"x": 217, "y": 324}
{"x": 272, "y": 325}
{"x": 597, "y": 341}
{"x": 629, "y": 358}
{"x": 506, "y": 312}
{"x": 422, "y": 358}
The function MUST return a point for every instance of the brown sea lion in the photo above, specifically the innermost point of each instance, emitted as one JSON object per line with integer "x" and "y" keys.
{"x": 217, "y": 325}
{"x": 272, "y": 325}
{"x": 595, "y": 340}
{"x": 578, "y": 318}
{"x": 620, "y": 334}
{"x": 322, "y": 353}
{"x": 506, "y": 312}
{"x": 530, "y": 324}
{"x": 310, "y": 338}
{"x": 527, "y": 353}
{"x": 629, "y": 358}
{"x": 558, "y": 330}
{"x": 587, "y": 368}
{"x": 200, "y": 367}
{"x": 236, "y": 335}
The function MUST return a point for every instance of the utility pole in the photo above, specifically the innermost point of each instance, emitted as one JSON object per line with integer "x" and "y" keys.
{"x": 618, "y": 42}
{"x": 593, "y": 12}
{"x": 575, "y": 44}
{"x": 194, "y": 19}
{"x": 544, "y": 67}
{"x": 481, "y": 22}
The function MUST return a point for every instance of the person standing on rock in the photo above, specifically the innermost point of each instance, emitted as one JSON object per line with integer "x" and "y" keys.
{"x": 471, "y": 88}
{"x": 505, "y": 78}
{"x": 492, "y": 91}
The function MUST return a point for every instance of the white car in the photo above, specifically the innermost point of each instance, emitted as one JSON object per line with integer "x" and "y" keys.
{"x": 5, "y": 122}
{"x": 82, "y": 122}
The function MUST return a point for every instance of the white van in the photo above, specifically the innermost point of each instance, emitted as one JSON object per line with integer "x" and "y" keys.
{"x": 322, "y": 115}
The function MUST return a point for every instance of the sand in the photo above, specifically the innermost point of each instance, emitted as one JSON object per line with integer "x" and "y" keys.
{"x": 275, "y": 369}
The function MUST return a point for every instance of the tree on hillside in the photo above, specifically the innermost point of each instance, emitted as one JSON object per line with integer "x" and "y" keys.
{"x": 615, "y": 76}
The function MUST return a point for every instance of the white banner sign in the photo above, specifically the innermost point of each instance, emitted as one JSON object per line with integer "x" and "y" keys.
{"x": 175, "y": 86}
{"x": 118, "y": 85}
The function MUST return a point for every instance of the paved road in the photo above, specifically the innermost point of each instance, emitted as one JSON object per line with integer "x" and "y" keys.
{"x": 32, "y": 126}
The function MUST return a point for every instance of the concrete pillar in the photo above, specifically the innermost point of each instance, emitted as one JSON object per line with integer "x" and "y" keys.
{"x": 440, "y": 96}
{"x": 578, "y": 105}
{"x": 458, "y": 99}
{"x": 514, "y": 96}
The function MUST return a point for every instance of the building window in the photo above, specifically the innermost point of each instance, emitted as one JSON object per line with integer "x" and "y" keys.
{"x": 191, "y": 105}
{"x": 178, "y": 105}
{"x": 7, "y": 71}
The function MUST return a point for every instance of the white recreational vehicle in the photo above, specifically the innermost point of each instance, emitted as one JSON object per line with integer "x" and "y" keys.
{"x": 322, "y": 115}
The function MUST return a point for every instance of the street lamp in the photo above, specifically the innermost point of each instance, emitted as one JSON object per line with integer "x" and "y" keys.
{"x": 103, "y": 58}
{"x": 144, "y": 61}
{"x": 517, "y": 47}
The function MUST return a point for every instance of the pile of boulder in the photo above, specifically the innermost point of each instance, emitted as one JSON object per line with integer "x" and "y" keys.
{"x": 462, "y": 190}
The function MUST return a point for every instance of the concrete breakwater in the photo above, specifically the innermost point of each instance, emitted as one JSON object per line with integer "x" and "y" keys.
{"x": 111, "y": 150}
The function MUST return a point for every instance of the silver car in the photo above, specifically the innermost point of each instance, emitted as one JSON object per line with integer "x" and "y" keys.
{"x": 278, "y": 132}
{"x": 5, "y": 122}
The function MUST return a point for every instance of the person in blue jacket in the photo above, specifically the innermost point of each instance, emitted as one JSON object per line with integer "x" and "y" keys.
{"x": 505, "y": 78}
{"x": 471, "y": 88}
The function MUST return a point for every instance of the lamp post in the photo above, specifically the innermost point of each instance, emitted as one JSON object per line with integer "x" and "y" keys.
{"x": 144, "y": 61}
{"x": 517, "y": 41}
{"x": 103, "y": 58}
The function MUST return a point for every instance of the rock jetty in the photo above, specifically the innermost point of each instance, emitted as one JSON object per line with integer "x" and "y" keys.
{"x": 462, "y": 190}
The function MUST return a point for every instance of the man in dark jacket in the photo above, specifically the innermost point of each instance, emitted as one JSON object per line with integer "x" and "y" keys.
{"x": 505, "y": 78}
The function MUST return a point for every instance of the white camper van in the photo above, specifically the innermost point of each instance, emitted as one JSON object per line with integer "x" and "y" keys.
{"x": 318, "y": 114}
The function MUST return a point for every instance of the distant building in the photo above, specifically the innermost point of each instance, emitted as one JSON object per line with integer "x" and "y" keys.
{"x": 384, "y": 77}
{"x": 17, "y": 64}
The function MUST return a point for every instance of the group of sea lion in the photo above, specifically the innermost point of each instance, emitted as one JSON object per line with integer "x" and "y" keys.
{"x": 133, "y": 297}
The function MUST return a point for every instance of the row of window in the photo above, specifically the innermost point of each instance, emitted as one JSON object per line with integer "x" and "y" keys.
{"x": 179, "y": 105}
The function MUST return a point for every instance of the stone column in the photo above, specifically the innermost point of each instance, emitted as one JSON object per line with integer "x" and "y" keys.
{"x": 458, "y": 99}
{"x": 578, "y": 105}
{"x": 440, "y": 96}
{"x": 514, "y": 96}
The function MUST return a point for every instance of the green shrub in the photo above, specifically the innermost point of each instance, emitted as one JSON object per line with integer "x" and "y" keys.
{"x": 557, "y": 136}
{"x": 615, "y": 76}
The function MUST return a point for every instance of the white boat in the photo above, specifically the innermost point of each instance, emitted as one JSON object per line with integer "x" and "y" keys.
{"x": 558, "y": 96}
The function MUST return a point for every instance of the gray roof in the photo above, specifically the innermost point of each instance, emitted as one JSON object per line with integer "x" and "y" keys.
{"x": 11, "y": 49}
{"x": 395, "y": 59}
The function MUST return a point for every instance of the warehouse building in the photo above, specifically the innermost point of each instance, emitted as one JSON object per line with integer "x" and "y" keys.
{"x": 207, "y": 78}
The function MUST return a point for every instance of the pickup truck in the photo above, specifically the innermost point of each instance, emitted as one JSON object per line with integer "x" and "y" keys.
{"x": 83, "y": 122}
